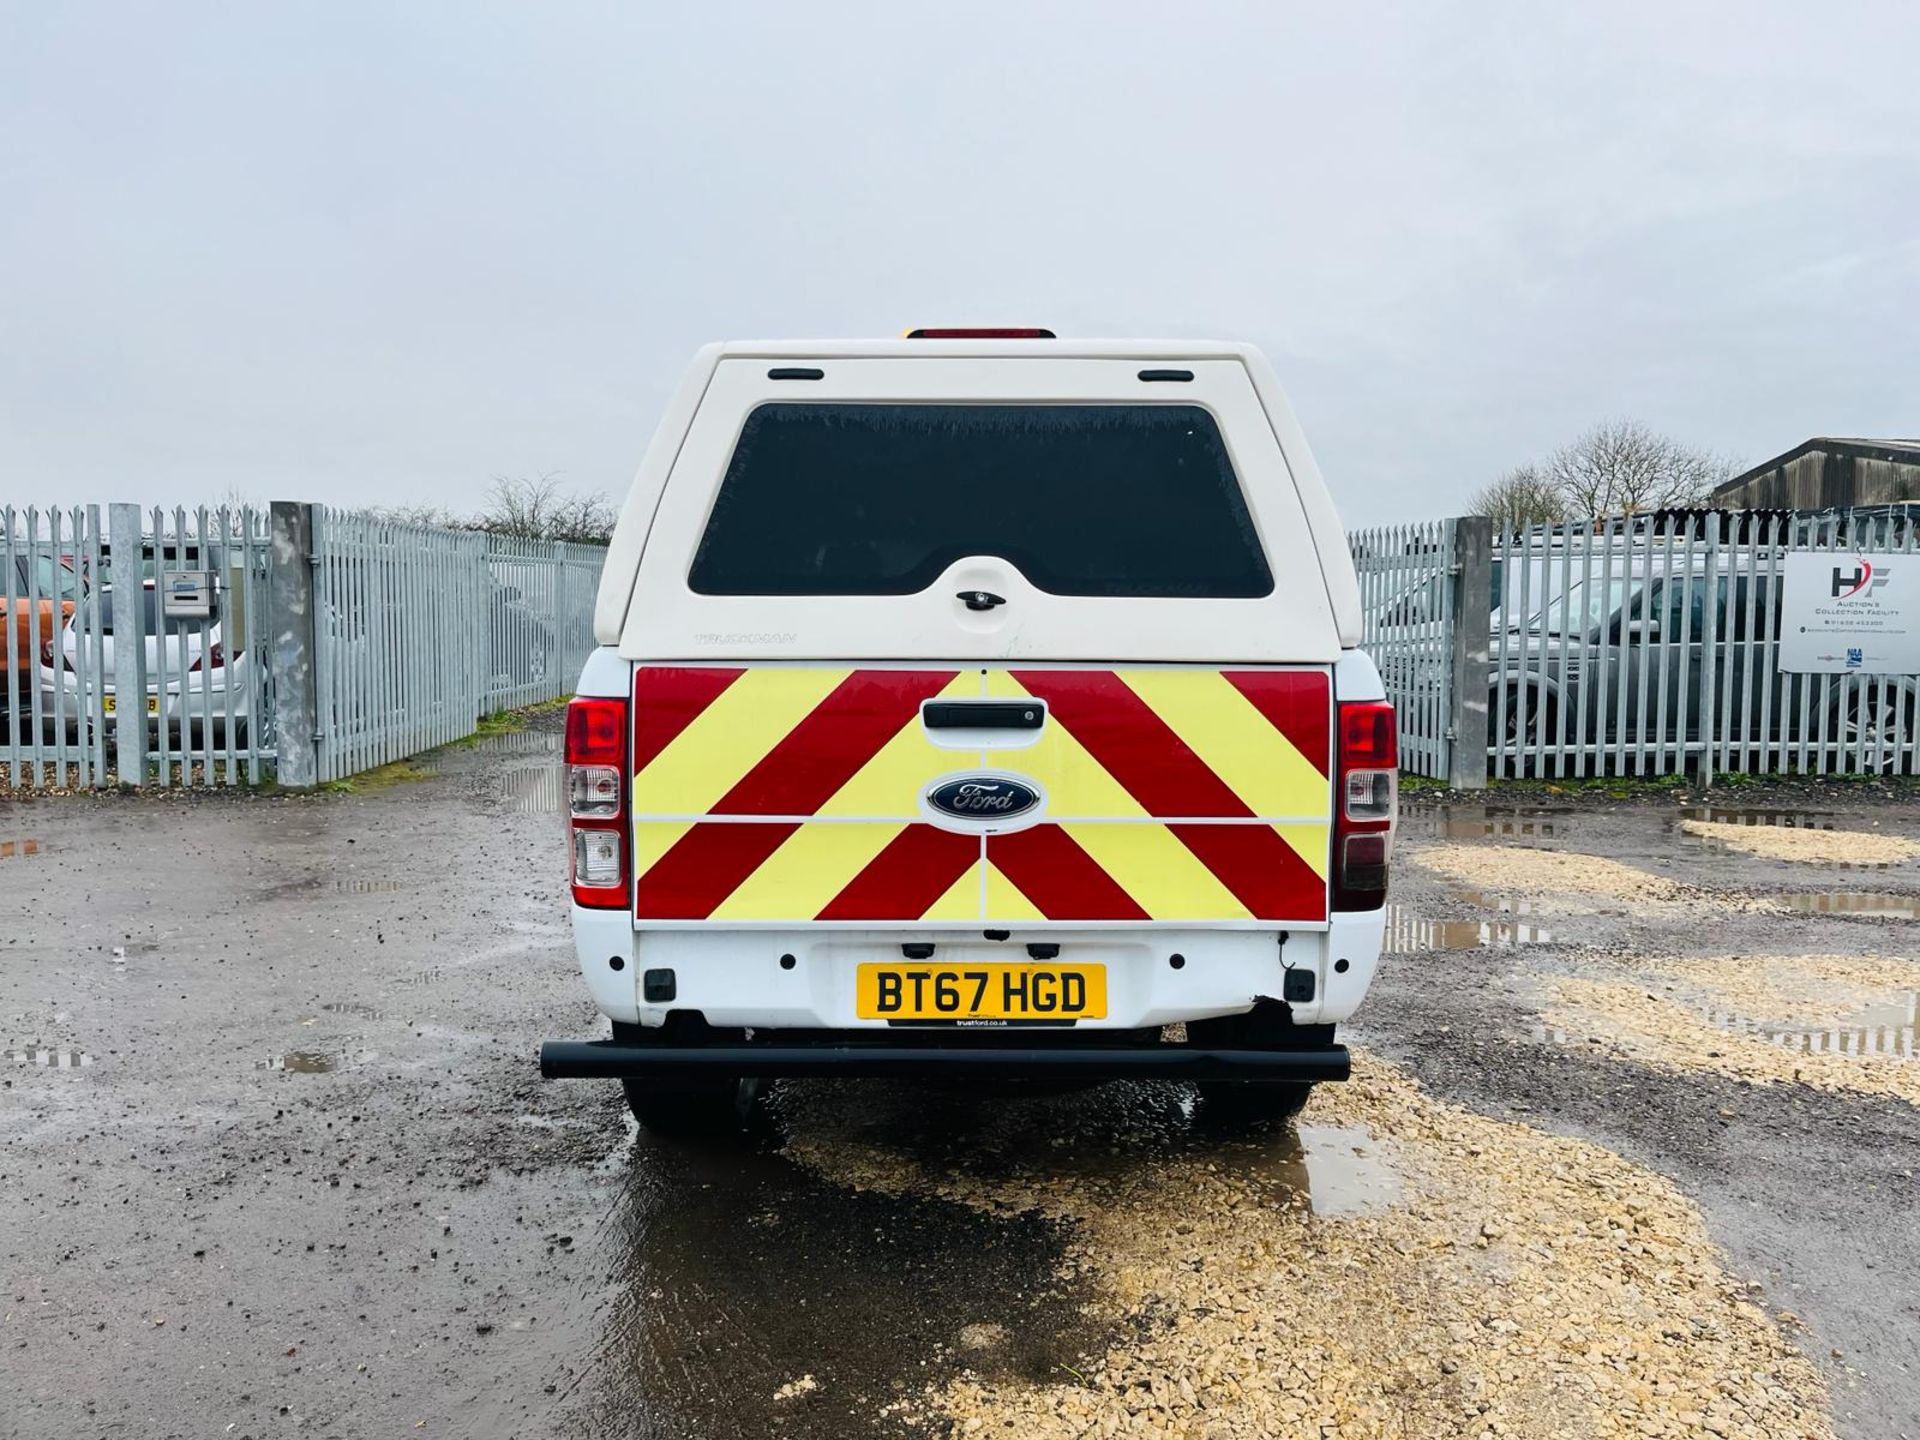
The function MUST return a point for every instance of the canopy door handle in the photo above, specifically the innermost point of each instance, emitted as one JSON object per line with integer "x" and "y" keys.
{"x": 983, "y": 715}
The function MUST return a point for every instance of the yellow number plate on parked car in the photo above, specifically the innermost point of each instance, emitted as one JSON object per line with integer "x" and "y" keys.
{"x": 981, "y": 992}
{"x": 107, "y": 704}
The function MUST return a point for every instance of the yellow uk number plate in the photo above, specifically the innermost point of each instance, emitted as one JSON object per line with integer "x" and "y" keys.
{"x": 981, "y": 992}
{"x": 108, "y": 704}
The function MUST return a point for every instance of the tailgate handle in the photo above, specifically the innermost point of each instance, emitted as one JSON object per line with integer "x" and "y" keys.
{"x": 984, "y": 715}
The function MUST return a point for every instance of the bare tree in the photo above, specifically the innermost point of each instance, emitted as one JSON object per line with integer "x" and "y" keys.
{"x": 539, "y": 508}
{"x": 1622, "y": 468}
{"x": 437, "y": 516}
{"x": 521, "y": 508}
{"x": 1521, "y": 497}
{"x": 236, "y": 498}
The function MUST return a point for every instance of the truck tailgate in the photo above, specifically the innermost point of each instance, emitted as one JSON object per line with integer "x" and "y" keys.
{"x": 776, "y": 794}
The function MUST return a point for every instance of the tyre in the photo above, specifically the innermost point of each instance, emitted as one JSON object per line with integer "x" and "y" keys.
{"x": 1874, "y": 727}
{"x": 1517, "y": 740}
{"x": 1252, "y": 1102}
{"x": 1232, "y": 1104}
{"x": 687, "y": 1107}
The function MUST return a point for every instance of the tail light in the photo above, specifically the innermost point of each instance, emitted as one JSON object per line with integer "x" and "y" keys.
{"x": 213, "y": 658}
{"x": 1367, "y": 803}
{"x": 596, "y": 800}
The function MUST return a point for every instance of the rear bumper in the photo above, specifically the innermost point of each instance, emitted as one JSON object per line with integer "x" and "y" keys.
{"x": 735, "y": 976}
{"x": 612, "y": 1060}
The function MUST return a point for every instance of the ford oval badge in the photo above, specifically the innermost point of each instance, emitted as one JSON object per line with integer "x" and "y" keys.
{"x": 983, "y": 797}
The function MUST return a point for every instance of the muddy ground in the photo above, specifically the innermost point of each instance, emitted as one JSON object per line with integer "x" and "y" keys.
{"x": 274, "y": 1159}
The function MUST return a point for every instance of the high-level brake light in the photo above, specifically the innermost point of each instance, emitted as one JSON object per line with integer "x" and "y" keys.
{"x": 1365, "y": 804}
{"x": 596, "y": 758}
{"x": 992, "y": 332}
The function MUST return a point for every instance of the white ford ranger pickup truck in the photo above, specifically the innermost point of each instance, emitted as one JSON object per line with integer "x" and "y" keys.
{"x": 976, "y": 704}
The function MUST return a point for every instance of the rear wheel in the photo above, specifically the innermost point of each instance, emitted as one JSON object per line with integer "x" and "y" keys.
{"x": 1268, "y": 1026}
{"x": 1251, "y": 1102}
{"x": 686, "y": 1107}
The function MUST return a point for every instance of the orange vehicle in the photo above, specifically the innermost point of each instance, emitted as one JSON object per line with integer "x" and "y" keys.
{"x": 37, "y": 594}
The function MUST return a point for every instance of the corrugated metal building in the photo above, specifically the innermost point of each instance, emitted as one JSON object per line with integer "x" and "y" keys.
{"x": 1827, "y": 473}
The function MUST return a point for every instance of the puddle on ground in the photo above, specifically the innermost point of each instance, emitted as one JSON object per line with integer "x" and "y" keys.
{"x": 1343, "y": 1172}
{"x": 534, "y": 789}
{"x": 1886, "y": 1031}
{"x": 513, "y": 745}
{"x": 433, "y": 975}
{"x": 319, "y": 883}
{"x": 1874, "y": 1030}
{"x": 1505, "y": 904}
{"x": 50, "y": 1057}
{"x": 310, "y": 1062}
{"x": 735, "y": 1273}
{"x": 1743, "y": 815}
{"x": 18, "y": 849}
{"x": 534, "y": 780}
{"x": 1409, "y": 933}
{"x": 1473, "y": 822}
{"x": 1094, "y": 1135}
{"x": 355, "y": 1008}
{"x": 519, "y": 743}
{"x": 1854, "y": 902}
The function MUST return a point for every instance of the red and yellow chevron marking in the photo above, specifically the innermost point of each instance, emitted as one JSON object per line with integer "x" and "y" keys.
{"x": 792, "y": 793}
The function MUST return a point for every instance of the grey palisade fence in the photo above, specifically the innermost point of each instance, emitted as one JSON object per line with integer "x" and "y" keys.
{"x": 169, "y": 646}
{"x": 1639, "y": 645}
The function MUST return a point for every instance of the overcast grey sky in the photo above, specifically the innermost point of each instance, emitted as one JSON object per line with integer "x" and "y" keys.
{"x": 369, "y": 253}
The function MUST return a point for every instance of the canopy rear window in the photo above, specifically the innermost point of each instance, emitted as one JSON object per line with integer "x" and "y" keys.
{"x": 1108, "y": 500}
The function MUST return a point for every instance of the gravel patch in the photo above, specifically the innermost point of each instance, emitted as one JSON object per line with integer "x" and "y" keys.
{"x": 1798, "y": 990}
{"x": 1835, "y": 1022}
{"x": 1575, "y": 881}
{"x": 1809, "y": 847}
{"x": 1507, "y": 1282}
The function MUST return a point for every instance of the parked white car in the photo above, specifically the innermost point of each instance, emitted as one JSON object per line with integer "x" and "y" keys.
{"x": 189, "y": 674}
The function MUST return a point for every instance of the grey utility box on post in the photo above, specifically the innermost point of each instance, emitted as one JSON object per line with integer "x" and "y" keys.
{"x": 187, "y": 595}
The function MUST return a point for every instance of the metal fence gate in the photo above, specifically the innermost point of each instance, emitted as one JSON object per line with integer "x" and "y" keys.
{"x": 419, "y": 631}
{"x": 157, "y": 679}
{"x": 539, "y": 619}
{"x": 1407, "y": 591}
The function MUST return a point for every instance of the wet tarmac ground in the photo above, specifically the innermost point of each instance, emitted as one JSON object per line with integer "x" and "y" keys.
{"x": 276, "y": 1159}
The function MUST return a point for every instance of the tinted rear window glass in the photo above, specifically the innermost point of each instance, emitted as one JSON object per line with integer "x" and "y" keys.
{"x": 880, "y": 499}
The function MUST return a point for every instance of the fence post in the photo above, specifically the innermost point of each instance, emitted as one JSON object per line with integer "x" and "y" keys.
{"x": 290, "y": 601}
{"x": 1472, "y": 603}
{"x": 126, "y": 550}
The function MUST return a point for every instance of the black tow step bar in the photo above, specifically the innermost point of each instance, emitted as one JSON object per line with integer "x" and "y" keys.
{"x": 611, "y": 1060}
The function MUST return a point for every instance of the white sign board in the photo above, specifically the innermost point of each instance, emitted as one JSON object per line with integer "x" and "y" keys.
{"x": 1843, "y": 612}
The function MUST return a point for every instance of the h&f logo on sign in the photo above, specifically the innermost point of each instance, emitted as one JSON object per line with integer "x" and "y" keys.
{"x": 1847, "y": 584}
{"x": 1855, "y": 657}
